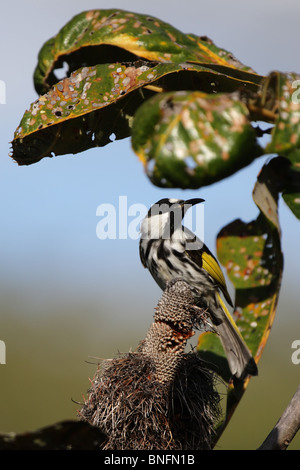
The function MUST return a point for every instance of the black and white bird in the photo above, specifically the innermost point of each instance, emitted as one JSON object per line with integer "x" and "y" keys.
{"x": 171, "y": 251}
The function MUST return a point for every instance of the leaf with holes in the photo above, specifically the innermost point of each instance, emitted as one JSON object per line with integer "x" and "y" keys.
{"x": 252, "y": 256}
{"x": 78, "y": 113}
{"x": 107, "y": 36}
{"x": 83, "y": 110}
{"x": 191, "y": 139}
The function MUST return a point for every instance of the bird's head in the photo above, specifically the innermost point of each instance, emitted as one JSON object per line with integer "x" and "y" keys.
{"x": 165, "y": 216}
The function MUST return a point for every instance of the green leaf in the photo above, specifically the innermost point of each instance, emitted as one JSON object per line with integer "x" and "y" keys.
{"x": 103, "y": 49}
{"x": 252, "y": 257}
{"x": 293, "y": 202}
{"x": 291, "y": 193}
{"x": 251, "y": 254}
{"x": 211, "y": 351}
{"x": 286, "y": 95}
{"x": 83, "y": 110}
{"x": 78, "y": 113}
{"x": 103, "y": 36}
{"x": 280, "y": 174}
{"x": 253, "y": 260}
{"x": 191, "y": 139}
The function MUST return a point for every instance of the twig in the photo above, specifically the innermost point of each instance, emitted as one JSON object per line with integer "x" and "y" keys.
{"x": 286, "y": 428}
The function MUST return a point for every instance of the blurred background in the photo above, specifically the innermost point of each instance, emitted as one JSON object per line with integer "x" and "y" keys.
{"x": 68, "y": 298}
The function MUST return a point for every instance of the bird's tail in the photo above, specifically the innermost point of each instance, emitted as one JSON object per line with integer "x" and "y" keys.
{"x": 240, "y": 360}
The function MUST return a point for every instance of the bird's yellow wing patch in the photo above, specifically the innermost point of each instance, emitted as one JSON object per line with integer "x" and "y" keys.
{"x": 210, "y": 264}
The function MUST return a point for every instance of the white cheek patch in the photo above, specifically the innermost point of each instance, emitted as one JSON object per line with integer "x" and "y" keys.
{"x": 154, "y": 227}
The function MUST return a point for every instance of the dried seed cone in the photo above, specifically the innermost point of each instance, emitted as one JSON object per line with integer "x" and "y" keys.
{"x": 158, "y": 398}
{"x": 165, "y": 350}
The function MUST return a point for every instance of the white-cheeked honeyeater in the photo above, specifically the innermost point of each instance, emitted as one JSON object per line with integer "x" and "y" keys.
{"x": 171, "y": 251}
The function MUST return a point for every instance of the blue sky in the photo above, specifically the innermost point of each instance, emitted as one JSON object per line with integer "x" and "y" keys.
{"x": 49, "y": 209}
{"x": 50, "y": 254}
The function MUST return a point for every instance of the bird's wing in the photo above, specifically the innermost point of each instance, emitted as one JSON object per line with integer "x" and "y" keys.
{"x": 205, "y": 259}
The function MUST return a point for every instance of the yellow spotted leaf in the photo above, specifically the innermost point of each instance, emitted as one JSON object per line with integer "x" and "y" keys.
{"x": 105, "y": 36}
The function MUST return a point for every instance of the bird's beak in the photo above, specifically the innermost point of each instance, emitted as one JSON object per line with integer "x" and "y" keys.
{"x": 193, "y": 202}
{"x": 186, "y": 205}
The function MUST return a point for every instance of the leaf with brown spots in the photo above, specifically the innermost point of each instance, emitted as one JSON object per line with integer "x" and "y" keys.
{"x": 82, "y": 111}
{"x": 251, "y": 254}
{"x": 252, "y": 257}
{"x": 286, "y": 100}
{"x": 191, "y": 139}
{"x": 114, "y": 35}
{"x": 279, "y": 98}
